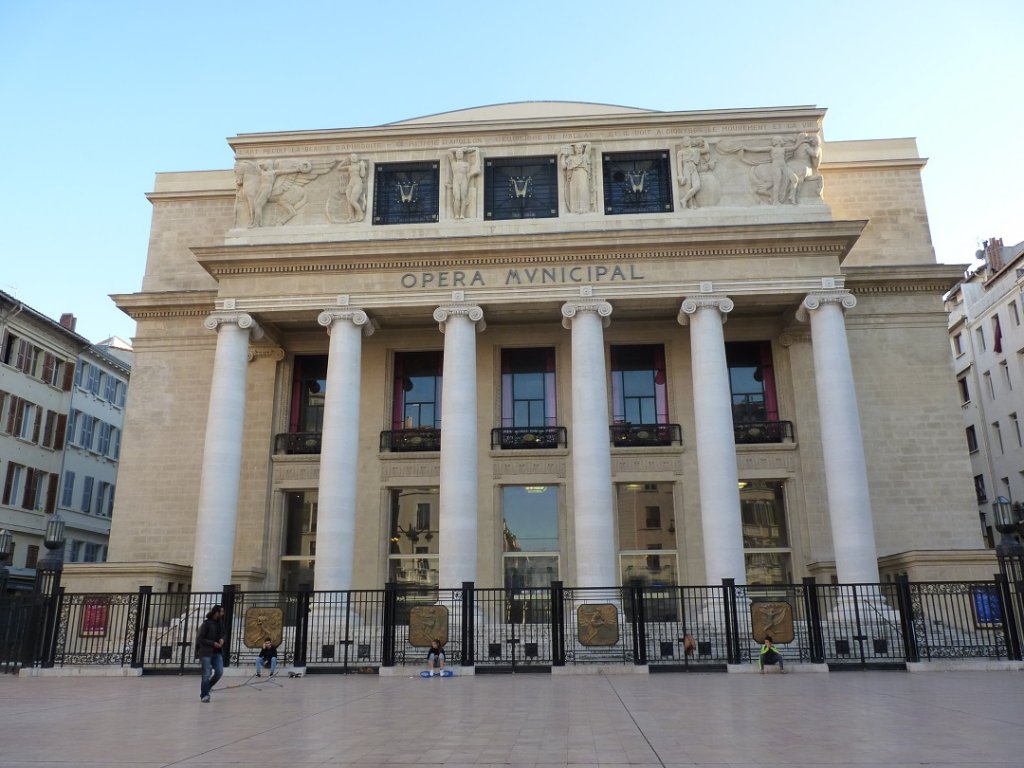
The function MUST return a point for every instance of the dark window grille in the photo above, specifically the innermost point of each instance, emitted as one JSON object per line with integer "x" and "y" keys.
{"x": 520, "y": 188}
{"x": 637, "y": 182}
{"x": 406, "y": 193}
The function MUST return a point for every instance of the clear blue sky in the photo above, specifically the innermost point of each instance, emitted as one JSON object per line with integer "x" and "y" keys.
{"x": 96, "y": 97}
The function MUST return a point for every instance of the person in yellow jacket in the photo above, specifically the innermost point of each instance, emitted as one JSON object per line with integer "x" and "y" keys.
{"x": 769, "y": 655}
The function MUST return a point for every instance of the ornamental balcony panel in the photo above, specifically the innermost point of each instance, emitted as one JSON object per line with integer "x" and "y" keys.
{"x": 296, "y": 443}
{"x": 628, "y": 435}
{"x": 405, "y": 440}
{"x": 753, "y": 432}
{"x": 508, "y": 438}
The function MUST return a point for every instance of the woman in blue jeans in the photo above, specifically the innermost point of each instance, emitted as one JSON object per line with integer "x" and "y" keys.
{"x": 210, "y": 649}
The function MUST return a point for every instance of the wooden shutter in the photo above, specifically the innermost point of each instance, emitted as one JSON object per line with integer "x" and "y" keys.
{"x": 24, "y": 350}
{"x": 38, "y": 424}
{"x": 8, "y": 483}
{"x": 51, "y": 493}
{"x": 48, "y": 436}
{"x": 62, "y": 428}
{"x": 49, "y": 365}
{"x": 32, "y": 556}
{"x": 29, "y": 499}
{"x": 15, "y": 416}
{"x": 69, "y": 376}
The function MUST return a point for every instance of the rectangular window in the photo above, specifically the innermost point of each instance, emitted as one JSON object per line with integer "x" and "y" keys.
{"x": 979, "y": 489}
{"x": 101, "y": 496}
{"x": 417, "y": 390}
{"x": 646, "y": 522}
{"x": 765, "y": 537}
{"x": 1014, "y": 313}
{"x": 521, "y": 188}
{"x": 92, "y": 553}
{"x": 958, "y": 344}
{"x": 103, "y": 443}
{"x": 413, "y": 548}
{"x": 74, "y": 551}
{"x": 95, "y": 379}
{"x": 9, "y": 351}
{"x": 530, "y": 535}
{"x": 752, "y": 381}
{"x": 110, "y": 501}
{"x": 637, "y": 182}
{"x": 998, "y": 436}
{"x": 115, "y": 443}
{"x": 408, "y": 193}
{"x": 72, "y": 429}
{"x": 49, "y": 430}
{"x": 80, "y": 375}
{"x": 87, "y": 494}
{"x": 122, "y": 391}
{"x": 309, "y": 383}
{"x": 31, "y": 555}
{"x": 67, "y": 495}
{"x": 13, "y": 484}
{"x": 110, "y": 388}
{"x": 989, "y": 387}
{"x": 965, "y": 392}
{"x": 1016, "y": 429}
{"x": 31, "y": 417}
{"x": 972, "y": 439}
{"x": 528, "y": 387}
{"x": 1005, "y": 368}
{"x": 639, "y": 385}
{"x": 979, "y": 334}
{"x": 88, "y": 428}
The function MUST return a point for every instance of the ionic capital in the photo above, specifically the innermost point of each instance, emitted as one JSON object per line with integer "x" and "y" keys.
{"x": 571, "y": 308}
{"x": 817, "y": 299}
{"x": 357, "y": 317}
{"x": 470, "y": 311}
{"x": 691, "y": 304}
{"x": 244, "y": 321}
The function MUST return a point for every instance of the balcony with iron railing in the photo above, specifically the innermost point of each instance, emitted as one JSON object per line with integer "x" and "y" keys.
{"x": 634, "y": 435}
{"x": 529, "y": 438}
{"x": 297, "y": 443}
{"x": 414, "y": 439}
{"x": 755, "y": 432}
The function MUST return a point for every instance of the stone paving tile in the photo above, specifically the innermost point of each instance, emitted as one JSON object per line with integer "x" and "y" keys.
{"x": 867, "y": 720}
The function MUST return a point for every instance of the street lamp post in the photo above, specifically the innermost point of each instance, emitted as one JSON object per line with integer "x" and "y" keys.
{"x": 1009, "y": 550}
{"x": 47, "y": 586}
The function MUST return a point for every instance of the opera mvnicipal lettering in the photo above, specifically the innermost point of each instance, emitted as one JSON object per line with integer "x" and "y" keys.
{"x": 592, "y": 273}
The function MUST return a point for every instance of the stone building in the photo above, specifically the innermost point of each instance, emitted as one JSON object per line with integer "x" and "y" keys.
{"x": 491, "y": 346}
{"x": 987, "y": 341}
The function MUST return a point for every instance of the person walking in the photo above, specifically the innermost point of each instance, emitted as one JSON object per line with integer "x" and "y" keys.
{"x": 210, "y": 650}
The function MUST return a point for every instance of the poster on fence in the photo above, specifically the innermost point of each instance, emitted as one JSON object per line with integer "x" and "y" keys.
{"x": 95, "y": 616}
{"x": 987, "y": 610}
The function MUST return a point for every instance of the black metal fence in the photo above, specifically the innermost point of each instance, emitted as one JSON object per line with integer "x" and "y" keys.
{"x": 681, "y": 628}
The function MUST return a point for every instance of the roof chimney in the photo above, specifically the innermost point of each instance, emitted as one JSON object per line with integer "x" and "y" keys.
{"x": 994, "y": 254}
{"x": 69, "y": 321}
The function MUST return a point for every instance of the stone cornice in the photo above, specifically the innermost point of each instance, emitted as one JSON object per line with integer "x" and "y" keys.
{"x": 600, "y": 127}
{"x": 214, "y": 194}
{"x": 810, "y": 239}
{"x": 146, "y": 305}
{"x": 916, "y": 278}
{"x": 912, "y": 163}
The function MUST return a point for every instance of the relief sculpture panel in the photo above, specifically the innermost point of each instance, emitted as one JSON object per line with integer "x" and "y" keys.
{"x": 271, "y": 192}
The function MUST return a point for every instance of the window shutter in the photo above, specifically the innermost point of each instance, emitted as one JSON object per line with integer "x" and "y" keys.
{"x": 49, "y": 364}
{"x": 32, "y": 556}
{"x": 16, "y": 415}
{"x": 29, "y": 499}
{"x": 8, "y": 483}
{"x": 69, "y": 376}
{"x": 48, "y": 436}
{"x": 51, "y": 493}
{"x": 58, "y": 438}
{"x": 37, "y": 425}
{"x": 24, "y": 355}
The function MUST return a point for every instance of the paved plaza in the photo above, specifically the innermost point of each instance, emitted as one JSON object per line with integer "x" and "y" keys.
{"x": 892, "y": 719}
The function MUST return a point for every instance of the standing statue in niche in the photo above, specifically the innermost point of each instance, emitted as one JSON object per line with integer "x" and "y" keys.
{"x": 579, "y": 194}
{"x": 348, "y": 202}
{"x": 694, "y": 160}
{"x": 464, "y": 167}
{"x": 260, "y": 183}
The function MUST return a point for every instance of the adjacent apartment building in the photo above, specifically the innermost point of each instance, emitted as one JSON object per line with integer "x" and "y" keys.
{"x": 61, "y": 414}
{"x": 985, "y": 312}
{"x": 539, "y": 341}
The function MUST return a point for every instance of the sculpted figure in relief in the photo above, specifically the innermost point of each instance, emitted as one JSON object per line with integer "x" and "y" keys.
{"x": 695, "y": 159}
{"x": 262, "y": 182}
{"x": 464, "y": 167}
{"x": 806, "y": 158}
{"x": 348, "y": 202}
{"x": 579, "y": 194}
{"x": 780, "y": 171}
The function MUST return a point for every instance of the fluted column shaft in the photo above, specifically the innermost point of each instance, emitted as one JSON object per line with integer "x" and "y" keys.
{"x": 717, "y": 476}
{"x": 842, "y": 444}
{"x": 339, "y": 450}
{"x": 222, "y": 452}
{"x": 458, "y": 497}
{"x": 593, "y": 511}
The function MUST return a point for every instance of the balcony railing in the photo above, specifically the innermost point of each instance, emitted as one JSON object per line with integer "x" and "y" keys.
{"x": 418, "y": 439}
{"x": 752, "y": 432}
{"x": 528, "y": 437}
{"x": 297, "y": 443}
{"x": 646, "y": 434}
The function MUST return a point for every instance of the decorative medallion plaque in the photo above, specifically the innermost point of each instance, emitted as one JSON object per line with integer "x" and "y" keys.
{"x": 597, "y": 624}
{"x": 261, "y": 623}
{"x": 774, "y": 619}
{"x": 426, "y": 623}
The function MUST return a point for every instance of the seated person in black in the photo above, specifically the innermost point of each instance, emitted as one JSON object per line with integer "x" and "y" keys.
{"x": 267, "y": 658}
{"x": 435, "y": 656}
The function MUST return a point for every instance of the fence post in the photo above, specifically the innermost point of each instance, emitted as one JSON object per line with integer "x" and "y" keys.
{"x": 468, "y": 630}
{"x": 387, "y": 651}
{"x": 557, "y": 625}
{"x": 1013, "y": 649}
{"x": 141, "y": 626}
{"x": 906, "y": 608}
{"x": 638, "y": 624}
{"x": 53, "y": 610}
{"x": 812, "y": 609}
{"x": 228, "y": 604}
{"x": 302, "y": 600}
{"x": 732, "y": 636}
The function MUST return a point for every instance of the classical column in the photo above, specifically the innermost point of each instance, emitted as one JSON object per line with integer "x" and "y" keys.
{"x": 222, "y": 452}
{"x": 457, "y": 548}
{"x": 591, "y": 451}
{"x": 846, "y": 475}
{"x": 339, "y": 450}
{"x": 717, "y": 476}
